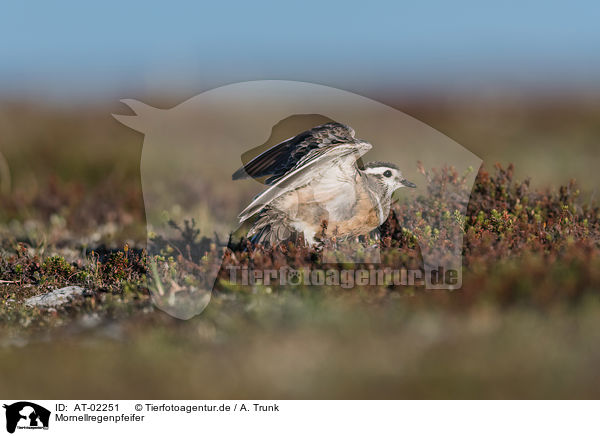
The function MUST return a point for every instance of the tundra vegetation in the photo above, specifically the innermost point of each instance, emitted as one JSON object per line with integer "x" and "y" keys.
{"x": 525, "y": 323}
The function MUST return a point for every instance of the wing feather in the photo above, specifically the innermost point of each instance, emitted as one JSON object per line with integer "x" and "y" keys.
{"x": 310, "y": 167}
{"x": 284, "y": 157}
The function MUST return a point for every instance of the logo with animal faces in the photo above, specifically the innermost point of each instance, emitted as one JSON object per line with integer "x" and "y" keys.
{"x": 230, "y": 168}
{"x": 25, "y": 415}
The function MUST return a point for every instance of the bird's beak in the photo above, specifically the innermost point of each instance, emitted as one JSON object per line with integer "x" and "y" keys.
{"x": 408, "y": 184}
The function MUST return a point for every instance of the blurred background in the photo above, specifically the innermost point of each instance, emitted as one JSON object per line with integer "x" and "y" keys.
{"x": 510, "y": 81}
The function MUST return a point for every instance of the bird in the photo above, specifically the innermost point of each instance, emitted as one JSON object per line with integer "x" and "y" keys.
{"x": 317, "y": 186}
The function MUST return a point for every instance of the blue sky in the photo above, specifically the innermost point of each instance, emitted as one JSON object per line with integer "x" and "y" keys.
{"x": 70, "y": 49}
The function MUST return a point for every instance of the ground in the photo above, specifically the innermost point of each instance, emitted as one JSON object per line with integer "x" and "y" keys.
{"x": 525, "y": 324}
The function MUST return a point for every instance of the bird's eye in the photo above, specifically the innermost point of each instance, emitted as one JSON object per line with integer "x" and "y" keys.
{"x": 388, "y": 173}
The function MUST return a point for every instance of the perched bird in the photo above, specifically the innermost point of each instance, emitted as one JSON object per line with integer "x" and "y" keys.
{"x": 318, "y": 189}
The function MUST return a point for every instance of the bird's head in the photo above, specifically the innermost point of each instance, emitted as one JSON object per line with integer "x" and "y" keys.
{"x": 387, "y": 176}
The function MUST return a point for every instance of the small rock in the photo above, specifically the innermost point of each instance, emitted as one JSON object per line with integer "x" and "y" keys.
{"x": 55, "y": 298}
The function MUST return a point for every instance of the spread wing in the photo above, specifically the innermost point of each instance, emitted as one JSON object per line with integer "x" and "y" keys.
{"x": 328, "y": 153}
{"x": 285, "y": 156}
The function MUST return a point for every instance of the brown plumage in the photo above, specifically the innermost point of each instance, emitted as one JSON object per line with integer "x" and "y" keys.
{"x": 314, "y": 180}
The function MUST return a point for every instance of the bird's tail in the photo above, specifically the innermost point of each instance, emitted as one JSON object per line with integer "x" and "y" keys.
{"x": 271, "y": 227}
